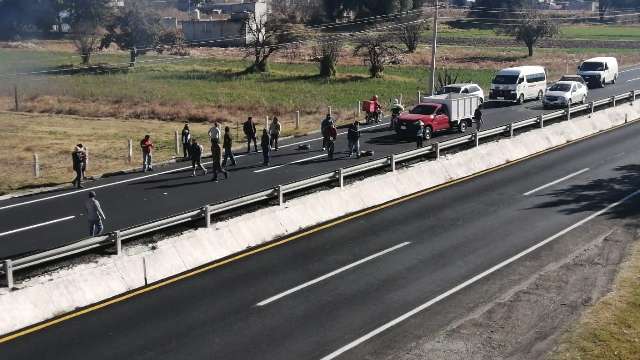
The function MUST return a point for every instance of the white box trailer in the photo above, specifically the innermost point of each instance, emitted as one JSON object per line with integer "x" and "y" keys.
{"x": 459, "y": 106}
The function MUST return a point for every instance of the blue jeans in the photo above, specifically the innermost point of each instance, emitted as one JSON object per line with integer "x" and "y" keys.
{"x": 146, "y": 161}
{"x": 95, "y": 227}
{"x": 354, "y": 148}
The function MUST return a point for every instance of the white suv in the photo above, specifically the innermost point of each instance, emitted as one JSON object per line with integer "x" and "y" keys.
{"x": 467, "y": 89}
{"x": 565, "y": 93}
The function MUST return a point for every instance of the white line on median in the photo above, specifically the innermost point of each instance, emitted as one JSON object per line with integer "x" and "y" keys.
{"x": 36, "y": 226}
{"x": 627, "y": 70}
{"x": 291, "y": 163}
{"x": 636, "y": 79}
{"x": 153, "y": 175}
{"x": 472, "y": 280}
{"x": 557, "y": 181}
{"x": 333, "y": 273}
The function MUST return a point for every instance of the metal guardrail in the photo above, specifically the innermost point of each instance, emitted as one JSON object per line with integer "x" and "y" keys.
{"x": 116, "y": 238}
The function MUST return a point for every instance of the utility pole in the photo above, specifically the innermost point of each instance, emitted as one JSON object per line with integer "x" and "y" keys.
{"x": 434, "y": 45}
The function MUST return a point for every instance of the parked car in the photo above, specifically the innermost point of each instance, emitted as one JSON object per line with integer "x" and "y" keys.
{"x": 465, "y": 89}
{"x": 565, "y": 93}
{"x": 599, "y": 71}
{"x": 439, "y": 113}
{"x": 519, "y": 84}
{"x": 576, "y": 78}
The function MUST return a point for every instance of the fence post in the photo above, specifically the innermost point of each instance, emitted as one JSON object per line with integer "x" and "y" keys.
{"x": 118, "y": 242}
{"x": 8, "y": 272}
{"x": 36, "y": 166}
{"x": 541, "y": 121}
{"x": 341, "y": 177}
{"x": 392, "y": 161}
{"x": 177, "y": 143}
{"x": 280, "y": 195}
{"x": 613, "y": 101}
{"x": 297, "y": 119}
{"x": 359, "y": 107}
{"x": 329, "y": 111}
{"x": 511, "y": 130}
{"x": 130, "y": 153}
{"x": 419, "y": 97}
{"x": 87, "y": 159}
{"x": 436, "y": 149}
{"x": 206, "y": 211}
{"x": 15, "y": 97}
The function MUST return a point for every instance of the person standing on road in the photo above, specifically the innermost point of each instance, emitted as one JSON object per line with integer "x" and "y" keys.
{"x": 95, "y": 216}
{"x": 274, "y": 132}
{"x": 324, "y": 130}
{"x": 147, "y": 149}
{"x": 227, "y": 144}
{"x": 250, "y": 131}
{"x": 78, "y": 157}
{"x": 332, "y": 135}
{"x": 265, "y": 144}
{"x": 214, "y": 134}
{"x": 216, "y": 157}
{"x": 419, "y": 134}
{"x": 196, "y": 151}
{"x": 353, "y": 137}
{"x": 186, "y": 140}
{"x": 477, "y": 117}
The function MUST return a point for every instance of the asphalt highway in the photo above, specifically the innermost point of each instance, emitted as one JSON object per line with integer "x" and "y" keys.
{"x": 39, "y": 222}
{"x": 333, "y": 293}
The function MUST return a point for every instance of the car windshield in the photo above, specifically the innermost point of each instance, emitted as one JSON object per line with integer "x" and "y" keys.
{"x": 592, "y": 66}
{"x": 560, "y": 87}
{"x": 424, "y": 110}
{"x": 451, "y": 90}
{"x": 505, "y": 79}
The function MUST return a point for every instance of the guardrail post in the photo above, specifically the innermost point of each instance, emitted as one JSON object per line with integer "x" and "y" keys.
{"x": 633, "y": 96}
{"x": 392, "y": 162}
{"x": 341, "y": 177}
{"x": 626, "y": 118}
{"x": 298, "y": 119}
{"x": 207, "y": 216}
{"x": 568, "y": 111}
{"x": 117, "y": 241}
{"x": 613, "y": 101}
{"x": 280, "y": 195}
{"x": 592, "y": 107}
{"x": 476, "y": 139}
{"x": 8, "y": 272}
{"x": 541, "y": 121}
{"x": 511, "y": 130}
{"x": 36, "y": 165}
{"x": 436, "y": 150}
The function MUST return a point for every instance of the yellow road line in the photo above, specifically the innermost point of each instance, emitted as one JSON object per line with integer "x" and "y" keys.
{"x": 257, "y": 250}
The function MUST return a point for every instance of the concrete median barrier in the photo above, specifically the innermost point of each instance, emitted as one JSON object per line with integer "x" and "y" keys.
{"x": 52, "y": 294}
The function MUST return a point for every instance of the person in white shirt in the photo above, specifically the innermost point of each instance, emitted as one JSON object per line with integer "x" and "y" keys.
{"x": 214, "y": 134}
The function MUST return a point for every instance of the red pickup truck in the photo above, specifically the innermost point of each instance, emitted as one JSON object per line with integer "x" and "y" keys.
{"x": 438, "y": 113}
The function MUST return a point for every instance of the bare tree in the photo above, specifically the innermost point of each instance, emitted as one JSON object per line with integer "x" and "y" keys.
{"x": 530, "y": 28}
{"x": 87, "y": 39}
{"x": 378, "y": 50}
{"x": 411, "y": 35}
{"x": 266, "y": 37}
{"x": 326, "y": 52}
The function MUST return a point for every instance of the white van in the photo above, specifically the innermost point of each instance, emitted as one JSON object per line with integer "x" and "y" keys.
{"x": 599, "y": 71}
{"x": 519, "y": 84}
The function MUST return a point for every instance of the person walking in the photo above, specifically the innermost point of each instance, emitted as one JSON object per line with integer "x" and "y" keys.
{"x": 95, "y": 215}
{"x": 274, "y": 132}
{"x": 216, "y": 157}
{"x": 227, "y": 144}
{"x": 353, "y": 138}
{"x": 147, "y": 149}
{"x": 186, "y": 140}
{"x": 265, "y": 144}
{"x": 419, "y": 134}
{"x": 214, "y": 134}
{"x": 332, "y": 135}
{"x": 78, "y": 157}
{"x": 324, "y": 130}
{"x": 250, "y": 131}
{"x": 477, "y": 117}
{"x": 195, "y": 152}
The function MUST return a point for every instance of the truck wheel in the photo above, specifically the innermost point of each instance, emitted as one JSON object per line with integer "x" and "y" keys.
{"x": 521, "y": 99}
{"x": 462, "y": 127}
{"x": 427, "y": 133}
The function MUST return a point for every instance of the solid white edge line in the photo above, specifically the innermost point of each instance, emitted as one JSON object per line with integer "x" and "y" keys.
{"x": 636, "y": 79}
{"x": 556, "y": 181}
{"x": 150, "y": 175}
{"x": 472, "y": 280}
{"x": 328, "y": 275}
{"x": 37, "y": 225}
{"x": 291, "y": 163}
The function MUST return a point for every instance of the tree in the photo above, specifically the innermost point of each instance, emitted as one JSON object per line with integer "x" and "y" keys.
{"x": 378, "y": 50}
{"x": 133, "y": 26}
{"x": 87, "y": 18}
{"x": 266, "y": 37}
{"x": 530, "y": 28}
{"x": 87, "y": 39}
{"x": 411, "y": 35}
{"x": 326, "y": 52}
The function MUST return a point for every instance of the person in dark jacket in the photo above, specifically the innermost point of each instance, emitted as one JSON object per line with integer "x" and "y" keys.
{"x": 332, "y": 135}
{"x": 477, "y": 117}
{"x": 419, "y": 134}
{"x": 324, "y": 129}
{"x": 196, "y": 151}
{"x": 78, "y": 157}
{"x": 216, "y": 157}
{"x": 353, "y": 138}
{"x": 186, "y": 141}
{"x": 265, "y": 144}
{"x": 274, "y": 132}
{"x": 227, "y": 144}
{"x": 250, "y": 131}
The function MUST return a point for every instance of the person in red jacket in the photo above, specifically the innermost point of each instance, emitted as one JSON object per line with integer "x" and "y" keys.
{"x": 147, "y": 149}
{"x": 332, "y": 134}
